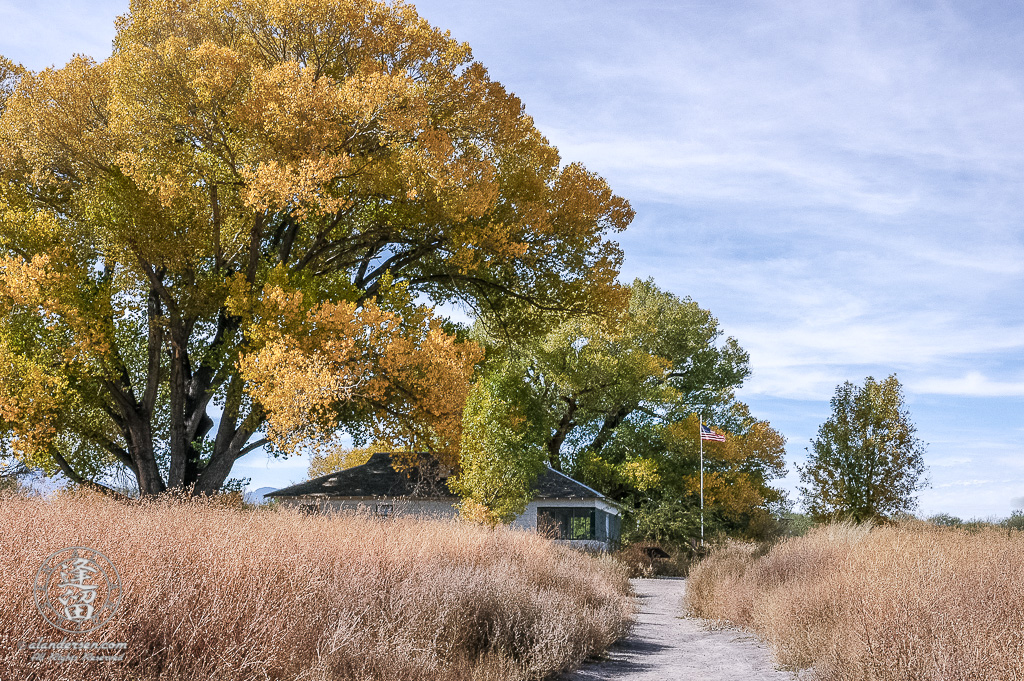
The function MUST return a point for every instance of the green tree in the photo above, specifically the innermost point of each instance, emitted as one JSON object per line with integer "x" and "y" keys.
{"x": 866, "y": 462}
{"x": 665, "y": 502}
{"x": 212, "y": 241}
{"x": 656, "y": 359}
{"x": 502, "y": 447}
{"x": 619, "y": 398}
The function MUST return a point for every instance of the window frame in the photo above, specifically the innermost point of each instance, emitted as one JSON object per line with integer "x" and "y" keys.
{"x": 565, "y": 519}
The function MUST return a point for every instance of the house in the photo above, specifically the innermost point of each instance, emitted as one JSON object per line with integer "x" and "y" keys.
{"x": 562, "y": 508}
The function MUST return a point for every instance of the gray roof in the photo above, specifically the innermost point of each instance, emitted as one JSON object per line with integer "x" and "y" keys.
{"x": 552, "y": 484}
{"x": 378, "y": 478}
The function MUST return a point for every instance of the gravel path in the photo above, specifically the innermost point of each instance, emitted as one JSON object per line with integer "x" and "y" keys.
{"x": 665, "y": 646}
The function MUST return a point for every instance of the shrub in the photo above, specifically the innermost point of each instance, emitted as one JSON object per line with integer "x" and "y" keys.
{"x": 214, "y": 591}
{"x": 643, "y": 560}
{"x": 945, "y": 520}
{"x": 1015, "y": 521}
{"x": 904, "y": 602}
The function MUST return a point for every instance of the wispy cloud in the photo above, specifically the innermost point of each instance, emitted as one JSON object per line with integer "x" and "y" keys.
{"x": 965, "y": 483}
{"x": 47, "y": 34}
{"x": 839, "y": 183}
{"x": 973, "y": 384}
{"x": 949, "y": 461}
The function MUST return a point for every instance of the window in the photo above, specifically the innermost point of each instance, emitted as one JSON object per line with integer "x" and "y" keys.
{"x": 567, "y": 522}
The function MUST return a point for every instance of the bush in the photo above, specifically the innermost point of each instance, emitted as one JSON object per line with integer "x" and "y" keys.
{"x": 945, "y": 520}
{"x": 212, "y": 591}
{"x": 898, "y": 602}
{"x": 643, "y": 560}
{"x": 1015, "y": 521}
{"x": 796, "y": 524}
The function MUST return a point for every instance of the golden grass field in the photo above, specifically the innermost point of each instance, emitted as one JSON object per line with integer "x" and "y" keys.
{"x": 904, "y": 602}
{"x": 214, "y": 592}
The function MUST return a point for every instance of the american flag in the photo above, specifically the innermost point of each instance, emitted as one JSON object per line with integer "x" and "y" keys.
{"x": 708, "y": 434}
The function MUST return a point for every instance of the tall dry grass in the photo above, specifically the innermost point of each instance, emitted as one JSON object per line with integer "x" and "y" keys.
{"x": 212, "y": 592}
{"x": 905, "y": 602}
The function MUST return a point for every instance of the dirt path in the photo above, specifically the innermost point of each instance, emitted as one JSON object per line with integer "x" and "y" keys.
{"x": 664, "y": 646}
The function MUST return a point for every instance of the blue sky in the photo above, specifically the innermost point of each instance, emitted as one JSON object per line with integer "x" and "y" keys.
{"x": 839, "y": 183}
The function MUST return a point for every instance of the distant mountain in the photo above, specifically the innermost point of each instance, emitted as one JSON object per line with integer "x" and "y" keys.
{"x": 256, "y": 496}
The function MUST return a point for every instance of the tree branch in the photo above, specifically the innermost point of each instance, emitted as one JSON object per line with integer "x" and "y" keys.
{"x": 253, "y": 446}
{"x": 74, "y": 477}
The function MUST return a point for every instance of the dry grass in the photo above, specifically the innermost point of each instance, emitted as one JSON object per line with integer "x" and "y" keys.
{"x": 212, "y": 592}
{"x": 908, "y": 602}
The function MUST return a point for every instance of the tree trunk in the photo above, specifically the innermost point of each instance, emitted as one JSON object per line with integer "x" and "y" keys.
{"x": 611, "y": 422}
{"x": 140, "y": 447}
{"x": 563, "y": 429}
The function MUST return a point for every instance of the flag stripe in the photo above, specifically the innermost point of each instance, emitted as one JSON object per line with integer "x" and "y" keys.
{"x": 708, "y": 434}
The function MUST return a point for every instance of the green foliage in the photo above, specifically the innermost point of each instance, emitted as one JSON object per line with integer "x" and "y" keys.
{"x": 796, "y": 524}
{"x": 866, "y": 463}
{"x": 653, "y": 362}
{"x": 236, "y": 485}
{"x": 502, "y": 447}
{"x": 673, "y": 521}
{"x": 1015, "y": 521}
{"x": 619, "y": 399}
{"x": 945, "y": 520}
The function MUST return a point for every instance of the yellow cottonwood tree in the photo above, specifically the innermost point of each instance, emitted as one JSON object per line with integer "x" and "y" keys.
{"x": 738, "y": 475}
{"x": 235, "y": 213}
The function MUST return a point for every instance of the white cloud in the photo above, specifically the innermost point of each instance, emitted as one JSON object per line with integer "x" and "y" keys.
{"x": 965, "y": 483}
{"x": 972, "y": 384}
{"x": 949, "y": 461}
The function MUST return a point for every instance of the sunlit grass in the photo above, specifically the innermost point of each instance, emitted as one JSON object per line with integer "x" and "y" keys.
{"x": 913, "y": 601}
{"x": 213, "y": 592}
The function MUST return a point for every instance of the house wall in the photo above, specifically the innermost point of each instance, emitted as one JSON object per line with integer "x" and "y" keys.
{"x": 446, "y": 509}
{"x": 528, "y": 521}
{"x": 428, "y": 508}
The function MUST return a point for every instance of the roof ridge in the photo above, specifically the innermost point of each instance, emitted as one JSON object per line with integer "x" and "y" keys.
{"x": 587, "y": 487}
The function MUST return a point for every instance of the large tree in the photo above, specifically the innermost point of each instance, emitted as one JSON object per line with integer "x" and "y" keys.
{"x": 656, "y": 359}
{"x": 866, "y": 462}
{"x": 619, "y": 399}
{"x": 217, "y": 239}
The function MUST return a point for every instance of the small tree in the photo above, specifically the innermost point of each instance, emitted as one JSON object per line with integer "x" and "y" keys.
{"x": 502, "y": 448}
{"x": 865, "y": 463}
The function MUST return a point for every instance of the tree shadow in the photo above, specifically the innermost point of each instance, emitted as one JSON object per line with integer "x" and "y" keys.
{"x": 622, "y": 659}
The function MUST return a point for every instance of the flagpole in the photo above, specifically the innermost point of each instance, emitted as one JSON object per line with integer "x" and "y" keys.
{"x": 700, "y": 436}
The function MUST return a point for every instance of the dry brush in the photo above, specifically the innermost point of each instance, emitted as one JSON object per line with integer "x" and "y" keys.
{"x": 907, "y": 602}
{"x": 217, "y": 592}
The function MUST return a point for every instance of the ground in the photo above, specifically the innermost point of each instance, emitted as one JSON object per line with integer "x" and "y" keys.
{"x": 665, "y": 645}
